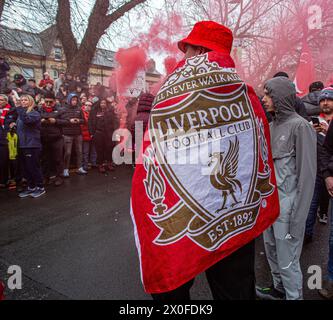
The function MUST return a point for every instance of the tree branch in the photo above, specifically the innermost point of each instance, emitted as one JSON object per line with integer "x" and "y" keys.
{"x": 114, "y": 16}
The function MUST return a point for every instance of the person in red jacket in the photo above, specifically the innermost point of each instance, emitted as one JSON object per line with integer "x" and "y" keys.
{"x": 46, "y": 79}
{"x": 88, "y": 148}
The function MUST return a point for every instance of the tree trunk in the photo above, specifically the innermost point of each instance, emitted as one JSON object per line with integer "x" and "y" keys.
{"x": 79, "y": 59}
{"x": 2, "y": 5}
{"x": 63, "y": 21}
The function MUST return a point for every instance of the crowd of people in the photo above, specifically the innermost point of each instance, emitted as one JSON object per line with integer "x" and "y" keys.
{"x": 50, "y": 129}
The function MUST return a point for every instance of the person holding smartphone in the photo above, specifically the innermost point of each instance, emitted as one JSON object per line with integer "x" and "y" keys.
{"x": 326, "y": 165}
{"x": 320, "y": 197}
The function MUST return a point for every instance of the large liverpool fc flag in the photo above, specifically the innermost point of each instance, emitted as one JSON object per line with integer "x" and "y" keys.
{"x": 206, "y": 184}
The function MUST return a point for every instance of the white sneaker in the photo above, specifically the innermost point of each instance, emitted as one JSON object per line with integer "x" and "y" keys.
{"x": 38, "y": 192}
{"x": 323, "y": 219}
{"x": 66, "y": 173}
{"x": 81, "y": 171}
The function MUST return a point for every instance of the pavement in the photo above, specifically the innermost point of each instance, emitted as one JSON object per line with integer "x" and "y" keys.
{"x": 76, "y": 242}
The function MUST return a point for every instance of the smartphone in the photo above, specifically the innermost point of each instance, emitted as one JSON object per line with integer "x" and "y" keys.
{"x": 315, "y": 121}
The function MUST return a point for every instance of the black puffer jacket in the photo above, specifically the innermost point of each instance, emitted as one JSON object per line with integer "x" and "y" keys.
{"x": 102, "y": 122}
{"x": 68, "y": 128}
{"x": 52, "y": 131}
{"x": 311, "y": 103}
{"x": 300, "y": 109}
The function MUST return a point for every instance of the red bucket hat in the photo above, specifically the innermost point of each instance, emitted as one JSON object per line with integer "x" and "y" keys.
{"x": 210, "y": 35}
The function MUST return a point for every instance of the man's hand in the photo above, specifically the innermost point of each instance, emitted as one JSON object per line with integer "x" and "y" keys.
{"x": 43, "y": 120}
{"x": 329, "y": 185}
{"x": 324, "y": 128}
{"x": 317, "y": 127}
{"x": 72, "y": 120}
{"x": 11, "y": 125}
{"x": 52, "y": 120}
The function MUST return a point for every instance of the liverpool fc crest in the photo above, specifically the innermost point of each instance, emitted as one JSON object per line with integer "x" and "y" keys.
{"x": 206, "y": 146}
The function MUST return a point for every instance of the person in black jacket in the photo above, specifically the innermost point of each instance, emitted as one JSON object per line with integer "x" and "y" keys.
{"x": 20, "y": 85}
{"x": 102, "y": 124}
{"x": 61, "y": 95}
{"x": 36, "y": 91}
{"x": 310, "y": 101}
{"x": 8, "y": 117}
{"x": 71, "y": 119}
{"x": 320, "y": 197}
{"x": 326, "y": 167}
{"x": 69, "y": 83}
{"x": 52, "y": 139}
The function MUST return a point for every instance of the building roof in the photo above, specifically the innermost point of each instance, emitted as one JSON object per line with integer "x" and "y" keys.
{"x": 104, "y": 58}
{"x": 21, "y": 41}
{"x": 41, "y": 44}
{"x": 48, "y": 38}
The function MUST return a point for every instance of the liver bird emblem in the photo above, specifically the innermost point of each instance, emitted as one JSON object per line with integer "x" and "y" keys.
{"x": 223, "y": 175}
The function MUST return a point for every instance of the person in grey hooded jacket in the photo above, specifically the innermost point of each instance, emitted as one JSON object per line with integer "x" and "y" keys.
{"x": 293, "y": 142}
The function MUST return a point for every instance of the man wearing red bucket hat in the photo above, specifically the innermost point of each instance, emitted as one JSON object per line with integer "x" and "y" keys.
{"x": 207, "y": 36}
{"x": 203, "y": 216}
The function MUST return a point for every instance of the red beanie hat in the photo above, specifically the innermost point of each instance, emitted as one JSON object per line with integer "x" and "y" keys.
{"x": 210, "y": 35}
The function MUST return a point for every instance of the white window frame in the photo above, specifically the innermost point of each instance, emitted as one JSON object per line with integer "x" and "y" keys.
{"x": 27, "y": 74}
{"x": 55, "y": 74}
{"x": 55, "y": 53}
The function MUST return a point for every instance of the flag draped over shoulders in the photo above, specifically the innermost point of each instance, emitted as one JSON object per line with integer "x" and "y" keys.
{"x": 205, "y": 183}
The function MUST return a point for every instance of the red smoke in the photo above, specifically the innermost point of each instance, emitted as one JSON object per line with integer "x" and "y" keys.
{"x": 170, "y": 64}
{"x": 161, "y": 38}
{"x": 130, "y": 61}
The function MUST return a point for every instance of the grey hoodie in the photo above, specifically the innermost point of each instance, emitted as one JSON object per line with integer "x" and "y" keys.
{"x": 293, "y": 143}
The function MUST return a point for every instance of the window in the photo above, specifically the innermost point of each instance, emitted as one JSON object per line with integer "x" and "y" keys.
{"x": 55, "y": 74}
{"x": 57, "y": 53}
{"x": 28, "y": 72}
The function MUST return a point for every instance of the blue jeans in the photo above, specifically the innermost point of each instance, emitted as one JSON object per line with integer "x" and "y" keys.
{"x": 88, "y": 153}
{"x": 330, "y": 255}
{"x": 320, "y": 198}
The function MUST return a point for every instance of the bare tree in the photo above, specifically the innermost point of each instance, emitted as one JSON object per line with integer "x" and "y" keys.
{"x": 269, "y": 33}
{"x": 79, "y": 57}
{"x": 80, "y": 25}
